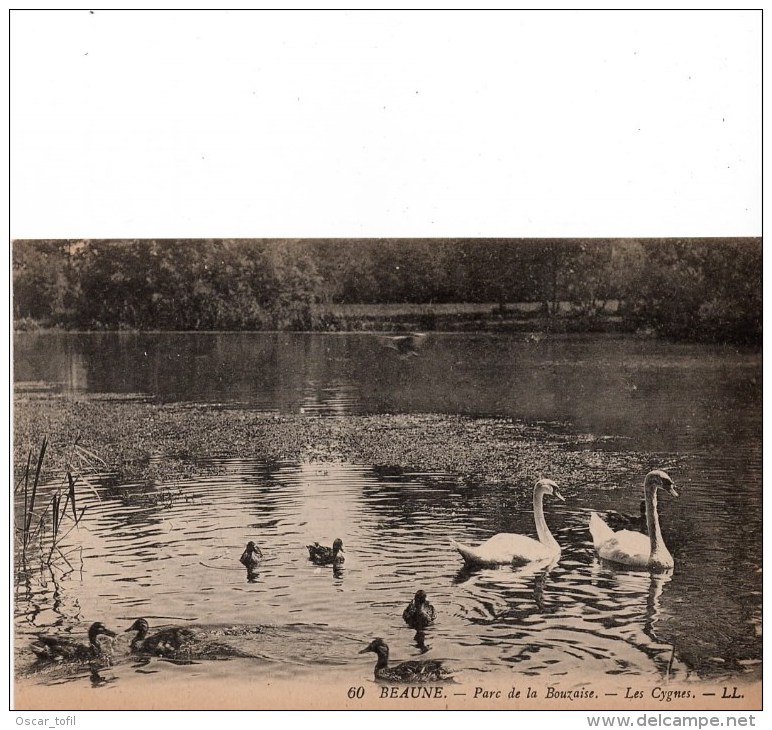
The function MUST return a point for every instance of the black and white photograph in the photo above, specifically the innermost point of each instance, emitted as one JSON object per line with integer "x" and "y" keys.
{"x": 440, "y": 465}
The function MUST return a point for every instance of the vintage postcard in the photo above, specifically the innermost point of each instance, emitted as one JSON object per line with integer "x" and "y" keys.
{"x": 258, "y": 474}
{"x": 373, "y": 360}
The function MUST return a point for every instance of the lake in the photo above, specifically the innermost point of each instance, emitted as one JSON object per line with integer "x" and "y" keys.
{"x": 173, "y": 559}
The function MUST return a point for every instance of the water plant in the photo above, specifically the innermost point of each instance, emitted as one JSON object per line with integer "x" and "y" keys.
{"x": 46, "y": 528}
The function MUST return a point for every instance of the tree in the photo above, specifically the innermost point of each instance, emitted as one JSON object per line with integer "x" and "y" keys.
{"x": 43, "y": 286}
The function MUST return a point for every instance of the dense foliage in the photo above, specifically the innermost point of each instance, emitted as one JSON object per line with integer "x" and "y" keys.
{"x": 692, "y": 288}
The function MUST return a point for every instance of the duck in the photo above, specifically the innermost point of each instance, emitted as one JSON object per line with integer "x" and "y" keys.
{"x": 419, "y": 612}
{"x": 60, "y": 649}
{"x": 622, "y": 521}
{"x": 507, "y": 547}
{"x": 178, "y": 643}
{"x": 251, "y": 556}
{"x": 410, "y": 671}
{"x": 322, "y": 555}
{"x": 161, "y": 643}
{"x": 634, "y": 549}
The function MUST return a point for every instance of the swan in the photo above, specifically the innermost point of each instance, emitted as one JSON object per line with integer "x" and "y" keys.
{"x": 507, "y": 547}
{"x": 634, "y": 549}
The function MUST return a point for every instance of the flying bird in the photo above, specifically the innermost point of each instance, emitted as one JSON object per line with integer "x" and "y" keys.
{"x": 406, "y": 345}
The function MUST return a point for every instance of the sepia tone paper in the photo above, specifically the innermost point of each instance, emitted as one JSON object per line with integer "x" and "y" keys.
{"x": 387, "y": 390}
{"x": 245, "y": 695}
{"x": 516, "y": 597}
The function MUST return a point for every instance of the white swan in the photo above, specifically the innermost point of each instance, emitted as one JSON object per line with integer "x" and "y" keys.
{"x": 634, "y": 549}
{"x": 508, "y": 547}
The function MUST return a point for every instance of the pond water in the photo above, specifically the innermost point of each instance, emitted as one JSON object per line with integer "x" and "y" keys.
{"x": 169, "y": 553}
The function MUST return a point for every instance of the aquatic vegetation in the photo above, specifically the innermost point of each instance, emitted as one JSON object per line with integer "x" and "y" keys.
{"x": 46, "y": 526}
{"x": 143, "y": 442}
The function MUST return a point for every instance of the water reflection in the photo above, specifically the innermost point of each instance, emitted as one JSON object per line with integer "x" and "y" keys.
{"x": 599, "y": 384}
{"x": 638, "y": 600}
{"x": 252, "y": 575}
{"x": 572, "y": 617}
{"x": 173, "y": 550}
{"x": 420, "y": 641}
{"x": 100, "y": 678}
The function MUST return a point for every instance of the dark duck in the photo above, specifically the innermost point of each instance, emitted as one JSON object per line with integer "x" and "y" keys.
{"x": 60, "y": 649}
{"x": 405, "y": 672}
{"x": 621, "y": 521}
{"x": 251, "y": 556}
{"x": 419, "y": 612}
{"x": 322, "y": 555}
{"x": 178, "y": 644}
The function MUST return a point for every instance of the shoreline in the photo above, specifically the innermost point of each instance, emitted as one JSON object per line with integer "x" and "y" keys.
{"x": 535, "y": 335}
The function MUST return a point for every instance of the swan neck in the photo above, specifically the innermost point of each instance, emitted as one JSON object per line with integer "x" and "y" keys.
{"x": 652, "y": 520}
{"x": 545, "y": 536}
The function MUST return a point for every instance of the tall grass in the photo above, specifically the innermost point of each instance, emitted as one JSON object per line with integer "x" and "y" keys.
{"x": 51, "y": 525}
{"x": 29, "y": 500}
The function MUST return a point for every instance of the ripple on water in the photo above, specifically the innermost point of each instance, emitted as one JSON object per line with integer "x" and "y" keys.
{"x": 571, "y": 619}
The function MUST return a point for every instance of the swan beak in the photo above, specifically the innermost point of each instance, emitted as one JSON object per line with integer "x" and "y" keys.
{"x": 671, "y": 490}
{"x": 556, "y": 493}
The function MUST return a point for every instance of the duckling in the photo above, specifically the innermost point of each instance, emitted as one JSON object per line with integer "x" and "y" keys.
{"x": 179, "y": 644}
{"x": 419, "y": 612}
{"x": 411, "y": 671}
{"x": 60, "y": 649}
{"x": 251, "y": 556}
{"x": 326, "y": 556}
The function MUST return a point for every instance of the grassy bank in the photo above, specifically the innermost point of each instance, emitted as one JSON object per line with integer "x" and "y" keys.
{"x": 461, "y": 317}
{"x": 141, "y": 441}
{"x": 468, "y": 317}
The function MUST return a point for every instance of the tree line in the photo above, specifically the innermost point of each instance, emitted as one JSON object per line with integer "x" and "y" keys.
{"x": 687, "y": 288}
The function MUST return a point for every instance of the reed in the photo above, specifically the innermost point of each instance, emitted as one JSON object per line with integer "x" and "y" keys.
{"x": 51, "y": 520}
{"x": 59, "y": 512}
{"x": 30, "y": 495}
